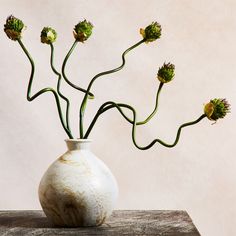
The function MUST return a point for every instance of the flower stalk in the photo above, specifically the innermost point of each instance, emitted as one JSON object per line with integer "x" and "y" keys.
{"x": 215, "y": 109}
{"x": 45, "y": 90}
{"x": 84, "y": 102}
{"x": 59, "y": 87}
{"x": 90, "y": 95}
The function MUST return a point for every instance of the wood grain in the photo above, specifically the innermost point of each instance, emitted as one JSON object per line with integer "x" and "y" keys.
{"x": 122, "y": 222}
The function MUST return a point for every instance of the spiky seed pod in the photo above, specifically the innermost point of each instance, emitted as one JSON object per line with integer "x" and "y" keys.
{"x": 166, "y": 73}
{"x": 217, "y": 109}
{"x": 152, "y": 32}
{"x": 13, "y": 28}
{"x": 48, "y": 35}
{"x": 83, "y": 31}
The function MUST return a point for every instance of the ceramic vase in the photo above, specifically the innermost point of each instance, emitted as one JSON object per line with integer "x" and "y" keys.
{"x": 78, "y": 189}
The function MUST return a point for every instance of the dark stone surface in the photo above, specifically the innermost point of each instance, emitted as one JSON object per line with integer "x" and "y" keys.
{"x": 122, "y": 222}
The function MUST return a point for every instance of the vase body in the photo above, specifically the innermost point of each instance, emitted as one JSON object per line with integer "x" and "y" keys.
{"x": 78, "y": 189}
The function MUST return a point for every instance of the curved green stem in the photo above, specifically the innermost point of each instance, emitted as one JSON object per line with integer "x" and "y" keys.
{"x": 107, "y": 106}
{"x": 155, "y": 109}
{"x": 31, "y": 98}
{"x": 159, "y": 140}
{"x": 84, "y": 102}
{"x": 64, "y": 74}
{"x": 104, "y": 107}
{"x": 58, "y": 87}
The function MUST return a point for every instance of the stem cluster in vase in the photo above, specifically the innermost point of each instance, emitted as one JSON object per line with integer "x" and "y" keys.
{"x": 215, "y": 109}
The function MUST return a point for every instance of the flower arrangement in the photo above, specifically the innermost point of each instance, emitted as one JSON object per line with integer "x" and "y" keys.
{"x": 215, "y": 109}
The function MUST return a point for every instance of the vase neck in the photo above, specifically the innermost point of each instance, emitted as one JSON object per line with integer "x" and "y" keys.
{"x": 78, "y": 144}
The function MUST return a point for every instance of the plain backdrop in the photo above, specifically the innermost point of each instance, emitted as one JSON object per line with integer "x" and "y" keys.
{"x": 199, "y": 37}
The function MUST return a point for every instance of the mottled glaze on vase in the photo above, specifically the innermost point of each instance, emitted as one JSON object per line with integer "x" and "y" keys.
{"x": 78, "y": 189}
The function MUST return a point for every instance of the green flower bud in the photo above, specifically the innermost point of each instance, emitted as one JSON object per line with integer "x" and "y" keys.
{"x": 48, "y": 35}
{"x": 166, "y": 73}
{"x": 83, "y": 31}
{"x": 13, "y": 28}
{"x": 151, "y": 32}
{"x": 216, "y": 109}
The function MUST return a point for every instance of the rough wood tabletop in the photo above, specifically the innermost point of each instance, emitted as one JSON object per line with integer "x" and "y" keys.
{"x": 122, "y": 222}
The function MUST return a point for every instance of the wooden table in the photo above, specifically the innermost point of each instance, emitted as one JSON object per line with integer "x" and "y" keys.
{"x": 165, "y": 223}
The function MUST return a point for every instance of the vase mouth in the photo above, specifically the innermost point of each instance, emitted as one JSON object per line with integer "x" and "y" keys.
{"x": 78, "y": 144}
{"x": 78, "y": 140}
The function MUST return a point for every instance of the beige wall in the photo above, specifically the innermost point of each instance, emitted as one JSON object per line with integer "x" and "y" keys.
{"x": 199, "y": 37}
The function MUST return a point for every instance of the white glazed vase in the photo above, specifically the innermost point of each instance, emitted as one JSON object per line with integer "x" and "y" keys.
{"x": 78, "y": 189}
